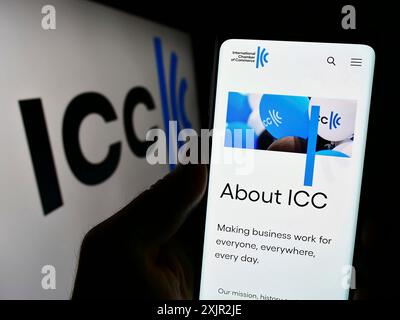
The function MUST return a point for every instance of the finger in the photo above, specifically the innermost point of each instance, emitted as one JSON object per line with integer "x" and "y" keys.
{"x": 157, "y": 213}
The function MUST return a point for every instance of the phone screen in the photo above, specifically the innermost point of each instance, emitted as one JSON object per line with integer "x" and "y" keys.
{"x": 290, "y": 125}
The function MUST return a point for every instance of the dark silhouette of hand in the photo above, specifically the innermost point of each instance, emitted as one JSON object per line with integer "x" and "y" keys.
{"x": 134, "y": 253}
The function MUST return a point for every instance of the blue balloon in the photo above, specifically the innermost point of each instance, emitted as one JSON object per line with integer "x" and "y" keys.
{"x": 235, "y": 136}
{"x": 332, "y": 153}
{"x": 285, "y": 116}
{"x": 238, "y": 108}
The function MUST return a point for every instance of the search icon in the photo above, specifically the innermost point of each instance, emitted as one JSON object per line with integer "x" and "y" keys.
{"x": 331, "y": 60}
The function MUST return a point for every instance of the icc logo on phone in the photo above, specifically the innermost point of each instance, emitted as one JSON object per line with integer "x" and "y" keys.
{"x": 333, "y": 120}
{"x": 261, "y": 58}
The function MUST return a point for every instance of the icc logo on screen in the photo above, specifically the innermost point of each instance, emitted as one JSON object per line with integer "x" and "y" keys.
{"x": 173, "y": 108}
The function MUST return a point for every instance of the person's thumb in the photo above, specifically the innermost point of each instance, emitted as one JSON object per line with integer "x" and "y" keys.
{"x": 157, "y": 213}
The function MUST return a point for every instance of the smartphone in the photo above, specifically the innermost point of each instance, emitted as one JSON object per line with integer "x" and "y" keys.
{"x": 289, "y": 134}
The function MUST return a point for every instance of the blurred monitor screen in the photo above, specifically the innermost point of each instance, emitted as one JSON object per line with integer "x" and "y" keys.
{"x": 81, "y": 84}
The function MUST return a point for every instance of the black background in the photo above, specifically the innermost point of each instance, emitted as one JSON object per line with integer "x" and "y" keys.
{"x": 211, "y": 23}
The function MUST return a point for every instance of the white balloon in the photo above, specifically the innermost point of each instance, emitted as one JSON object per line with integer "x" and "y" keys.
{"x": 337, "y": 118}
{"x": 255, "y": 122}
{"x": 254, "y": 100}
{"x": 345, "y": 147}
